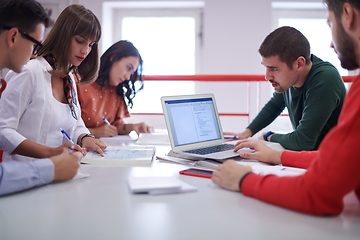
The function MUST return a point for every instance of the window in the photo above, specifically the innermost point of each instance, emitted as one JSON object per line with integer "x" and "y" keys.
{"x": 310, "y": 19}
{"x": 168, "y": 37}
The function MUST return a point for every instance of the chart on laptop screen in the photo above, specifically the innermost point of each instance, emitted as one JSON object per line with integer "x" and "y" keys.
{"x": 193, "y": 120}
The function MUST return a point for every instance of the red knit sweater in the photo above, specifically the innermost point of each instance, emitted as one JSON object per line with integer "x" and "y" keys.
{"x": 332, "y": 172}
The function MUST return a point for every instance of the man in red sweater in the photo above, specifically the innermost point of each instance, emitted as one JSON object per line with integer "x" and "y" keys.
{"x": 333, "y": 170}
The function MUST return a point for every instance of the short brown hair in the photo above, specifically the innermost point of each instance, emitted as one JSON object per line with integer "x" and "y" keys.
{"x": 22, "y": 14}
{"x": 288, "y": 43}
{"x": 74, "y": 20}
{"x": 336, "y": 6}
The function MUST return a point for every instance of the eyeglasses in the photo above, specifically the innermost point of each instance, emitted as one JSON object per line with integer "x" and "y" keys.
{"x": 37, "y": 45}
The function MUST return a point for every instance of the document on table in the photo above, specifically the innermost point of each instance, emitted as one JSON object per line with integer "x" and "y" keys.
{"x": 153, "y": 139}
{"x": 81, "y": 174}
{"x": 122, "y": 155}
{"x": 118, "y": 140}
{"x": 209, "y": 164}
{"x": 277, "y": 170}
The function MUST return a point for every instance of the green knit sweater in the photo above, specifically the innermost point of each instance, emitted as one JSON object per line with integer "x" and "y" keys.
{"x": 313, "y": 108}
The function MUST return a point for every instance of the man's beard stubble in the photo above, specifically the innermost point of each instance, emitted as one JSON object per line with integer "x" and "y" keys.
{"x": 346, "y": 49}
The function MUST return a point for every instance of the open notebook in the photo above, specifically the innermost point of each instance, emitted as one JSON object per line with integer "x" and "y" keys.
{"x": 194, "y": 127}
{"x": 137, "y": 155}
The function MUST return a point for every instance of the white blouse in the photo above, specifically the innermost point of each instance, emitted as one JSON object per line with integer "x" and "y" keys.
{"x": 27, "y": 109}
{"x": 61, "y": 118}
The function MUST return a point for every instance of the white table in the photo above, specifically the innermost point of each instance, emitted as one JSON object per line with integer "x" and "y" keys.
{"x": 102, "y": 207}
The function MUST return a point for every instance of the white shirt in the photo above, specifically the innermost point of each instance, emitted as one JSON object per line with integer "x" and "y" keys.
{"x": 26, "y": 109}
{"x": 61, "y": 118}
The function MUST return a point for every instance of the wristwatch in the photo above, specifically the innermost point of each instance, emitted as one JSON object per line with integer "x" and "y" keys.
{"x": 266, "y": 135}
{"x": 86, "y": 135}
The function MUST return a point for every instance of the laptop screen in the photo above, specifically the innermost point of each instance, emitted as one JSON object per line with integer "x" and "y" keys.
{"x": 192, "y": 120}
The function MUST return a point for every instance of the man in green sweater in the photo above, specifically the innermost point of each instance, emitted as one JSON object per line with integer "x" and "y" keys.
{"x": 311, "y": 89}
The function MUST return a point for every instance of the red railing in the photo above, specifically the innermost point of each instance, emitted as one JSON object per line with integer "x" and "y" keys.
{"x": 215, "y": 78}
{"x": 205, "y": 78}
{"x": 219, "y": 78}
{"x": 208, "y": 78}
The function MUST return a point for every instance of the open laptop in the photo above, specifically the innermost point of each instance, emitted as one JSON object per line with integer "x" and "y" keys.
{"x": 194, "y": 127}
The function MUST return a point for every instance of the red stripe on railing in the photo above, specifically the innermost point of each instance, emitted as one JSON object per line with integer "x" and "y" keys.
{"x": 235, "y": 114}
{"x": 207, "y": 78}
{"x": 148, "y": 114}
{"x": 221, "y": 114}
{"x": 218, "y": 78}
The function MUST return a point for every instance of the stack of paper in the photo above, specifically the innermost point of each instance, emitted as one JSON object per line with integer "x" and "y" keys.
{"x": 159, "y": 185}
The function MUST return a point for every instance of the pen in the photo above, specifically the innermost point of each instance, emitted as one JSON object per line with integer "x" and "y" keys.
{"x": 106, "y": 121}
{"x": 71, "y": 148}
{"x": 230, "y": 137}
{"x": 66, "y": 135}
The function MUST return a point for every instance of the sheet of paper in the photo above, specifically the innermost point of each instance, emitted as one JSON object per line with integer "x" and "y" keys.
{"x": 122, "y": 152}
{"x": 153, "y": 139}
{"x": 277, "y": 170}
{"x": 118, "y": 140}
{"x": 207, "y": 164}
{"x": 177, "y": 160}
{"x": 81, "y": 174}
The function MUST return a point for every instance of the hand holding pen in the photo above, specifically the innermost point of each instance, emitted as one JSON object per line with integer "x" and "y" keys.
{"x": 71, "y": 148}
{"x": 104, "y": 130}
{"x": 88, "y": 143}
{"x": 70, "y": 144}
{"x": 66, "y": 164}
{"x": 106, "y": 121}
{"x": 230, "y": 136}
{"x": 66, "y": 136}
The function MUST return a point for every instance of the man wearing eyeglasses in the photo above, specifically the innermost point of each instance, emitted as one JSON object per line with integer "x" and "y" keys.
{"x": 22, "y": 26}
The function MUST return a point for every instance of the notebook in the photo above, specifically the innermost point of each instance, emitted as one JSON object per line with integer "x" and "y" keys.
{"x": 127, "y": 155}
{"x": 194, "y": 127}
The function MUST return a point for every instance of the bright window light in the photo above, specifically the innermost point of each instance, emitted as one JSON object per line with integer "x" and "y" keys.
{"x": 167, "y": 47}
{"x": 166, "y": 44}
{"x": 319, "y": 35}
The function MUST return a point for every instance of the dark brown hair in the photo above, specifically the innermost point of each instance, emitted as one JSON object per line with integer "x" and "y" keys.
{"x": 288, "y": 43}
{"x": 336, "y": 6}
{"x": 22, "y": 14}
{"x": 74, "y": 20}
{"x": 116, "y": 52}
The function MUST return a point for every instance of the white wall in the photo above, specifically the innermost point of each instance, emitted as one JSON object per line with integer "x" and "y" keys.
{"x": 233, "y": 31}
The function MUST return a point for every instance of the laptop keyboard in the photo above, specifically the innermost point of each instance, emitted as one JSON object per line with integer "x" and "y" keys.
{"x": 212, "y": 149}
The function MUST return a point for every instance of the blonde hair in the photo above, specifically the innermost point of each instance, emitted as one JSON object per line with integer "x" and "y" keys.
{"x": 74, "y": 20}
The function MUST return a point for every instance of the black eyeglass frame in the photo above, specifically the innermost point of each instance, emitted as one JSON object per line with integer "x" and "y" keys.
{"x": 37, "y": 45}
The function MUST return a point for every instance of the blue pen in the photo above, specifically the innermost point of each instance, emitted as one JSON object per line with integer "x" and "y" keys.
{"x": 106, "y": 121}
{"x": 71, "y": 148}
{"x": 66, "y": 135}
{"x": 230, "y": 137}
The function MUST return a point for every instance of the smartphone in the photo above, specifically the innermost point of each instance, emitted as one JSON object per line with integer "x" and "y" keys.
{"x": 197, "y": 172}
